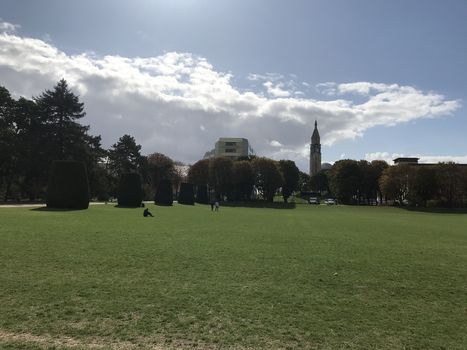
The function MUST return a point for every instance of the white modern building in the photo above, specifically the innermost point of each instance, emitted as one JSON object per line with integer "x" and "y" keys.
{"x": 230, "y": 147}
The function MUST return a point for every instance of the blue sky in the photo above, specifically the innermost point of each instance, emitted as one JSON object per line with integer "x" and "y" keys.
{"x": 280, "y": 51}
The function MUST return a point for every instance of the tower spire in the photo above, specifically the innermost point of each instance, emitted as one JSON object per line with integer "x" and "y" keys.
{"x": 315, "y": 151}
{"x": 315, "y": 139}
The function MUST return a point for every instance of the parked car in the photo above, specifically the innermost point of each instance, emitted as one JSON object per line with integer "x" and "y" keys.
{"x": 313, "y": 200}
{"x": 330, "y": 201}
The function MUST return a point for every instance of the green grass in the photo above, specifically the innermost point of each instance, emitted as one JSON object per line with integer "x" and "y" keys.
{"x": 314, "y": 277}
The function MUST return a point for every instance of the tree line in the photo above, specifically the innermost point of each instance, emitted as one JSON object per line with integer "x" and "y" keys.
{"x": 35, "y": 132}
{"x": 363, "y": 182}
{"x": 246, "y": 178}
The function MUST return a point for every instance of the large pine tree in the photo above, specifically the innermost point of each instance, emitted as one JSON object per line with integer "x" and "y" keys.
{"x": 59, "y": 110}
{"x": 64, "y": 137}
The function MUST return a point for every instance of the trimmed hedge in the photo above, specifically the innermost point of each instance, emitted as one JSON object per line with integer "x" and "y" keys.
{"x": 187, "y": 194}
{"x": 130, "y": 193}
{"x": 68, "y": 186}
{"x": 202, "y": 194}
{"x": 164, "y": 193}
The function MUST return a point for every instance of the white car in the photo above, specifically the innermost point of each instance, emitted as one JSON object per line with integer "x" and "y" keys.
{"x": 330, "y": 201}
{"x": 313, "y": 200}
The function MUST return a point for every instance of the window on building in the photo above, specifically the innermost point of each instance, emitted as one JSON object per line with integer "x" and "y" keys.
{"x": 230, "y": 143}
{"x": 230, "y": 150}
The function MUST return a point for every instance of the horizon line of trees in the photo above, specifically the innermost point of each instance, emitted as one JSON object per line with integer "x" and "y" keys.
{"x": 376, "y": 182}
{"x": 35, "y": 132}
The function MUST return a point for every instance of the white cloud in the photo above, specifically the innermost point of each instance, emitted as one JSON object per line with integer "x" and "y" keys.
{"x": 275, "y": 143}
{"x": 47, "y": 38}
{"x": 8, "y": 27}
{"x": 389, "y": 157}
{"x": 327, "y": 88}
{"x": 163, "y": 100}
{"x": 439, "y": 159}
{"x": 276, "y": 90}
{"x": 364, "y": 88}
{"x": 265, "y": 77}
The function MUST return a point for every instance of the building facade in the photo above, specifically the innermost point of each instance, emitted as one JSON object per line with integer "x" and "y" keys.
{"x": 230, "y": 147}
{"x": 315, "y": 151}
{"x": 414, "y": 161}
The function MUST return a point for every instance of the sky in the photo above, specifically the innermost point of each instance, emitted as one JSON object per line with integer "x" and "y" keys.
{"x": 382, "y": 78}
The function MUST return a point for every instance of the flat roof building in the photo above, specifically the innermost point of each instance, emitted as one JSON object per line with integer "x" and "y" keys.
{"x": 414, "y": 161}
{"x": 406, "y": 160}
{"x": 230, "y": 147}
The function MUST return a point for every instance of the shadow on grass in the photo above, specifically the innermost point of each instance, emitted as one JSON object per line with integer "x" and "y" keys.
{"x": 21, "y": 202}
{"x": 260, "y": 204}
{"x": 436, "y": 210}
{"x": 55, "y": 209}
{"x": 128, "y": 206}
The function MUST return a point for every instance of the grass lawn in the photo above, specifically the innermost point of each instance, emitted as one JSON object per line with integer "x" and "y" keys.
{"x": 314, "y": 277}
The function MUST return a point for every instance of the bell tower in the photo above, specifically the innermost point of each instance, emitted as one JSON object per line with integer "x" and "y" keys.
{"x": 315, "y": 151}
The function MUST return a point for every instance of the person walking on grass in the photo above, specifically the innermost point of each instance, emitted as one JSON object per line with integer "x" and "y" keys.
{"x": 216, "y": 205}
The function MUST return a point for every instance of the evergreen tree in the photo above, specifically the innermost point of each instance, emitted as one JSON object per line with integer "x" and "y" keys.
{"x": 64, "y": 138}
{"x": 125, "y": 157}
{"x": 60, "y": 109}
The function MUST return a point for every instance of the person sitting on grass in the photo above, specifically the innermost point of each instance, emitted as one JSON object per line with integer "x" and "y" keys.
{"x": 146, "y": 213}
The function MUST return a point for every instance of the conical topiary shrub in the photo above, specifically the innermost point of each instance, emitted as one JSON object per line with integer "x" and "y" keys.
{"x": 130, "y": 193}
{"x": 187, "y": 194}
{"x": 164, "y": 193}
{"x": 68, "y": 185}
{"x": 202, "y": 194}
